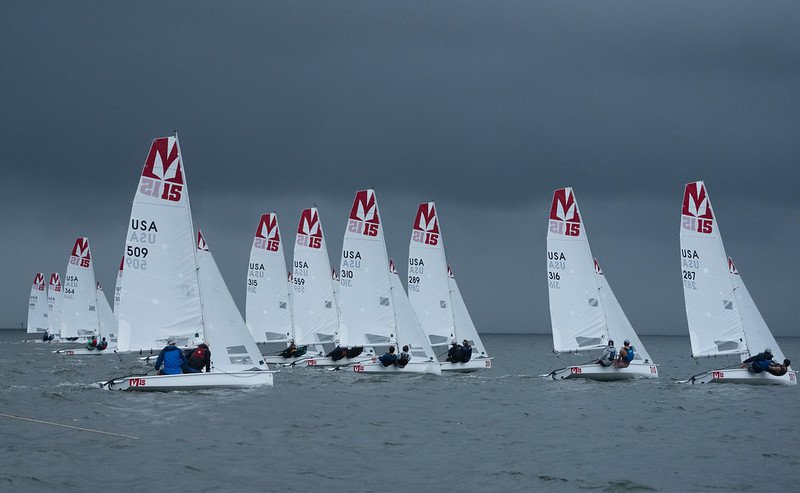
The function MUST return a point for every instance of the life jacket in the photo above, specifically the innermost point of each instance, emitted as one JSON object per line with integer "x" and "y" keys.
{"x": 630, "y": 354}
{"x": 197, "y": 358}
{"x": 466, "y": 354}
{"x": 102, "y": 345}
{"x": 402, "y": 361}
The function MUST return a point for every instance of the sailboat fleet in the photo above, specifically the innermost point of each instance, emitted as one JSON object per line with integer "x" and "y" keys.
{"x": 326, "y": 316}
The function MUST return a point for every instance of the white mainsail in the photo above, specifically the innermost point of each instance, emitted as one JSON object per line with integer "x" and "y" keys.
{"x": 409, "y": 330}
{"x": 366, "y": 312}
{"x": 757, "y": 334}
{"x": 79, "y": 306}
{"x": 576, "y": 311}
{"x": 160, "y": 298}
{"x": 107, "y": 320}
{"x": 37, "y": 306}
{"x": 54, "y": 295}
{"x": 232, "y": 347}
{"x": 316, "y": 315}
{"x": 267, "y": 307}
{"x": 464, "y": 326}
{"x": 715, "y": 324}
{"x": 428, "y": 280}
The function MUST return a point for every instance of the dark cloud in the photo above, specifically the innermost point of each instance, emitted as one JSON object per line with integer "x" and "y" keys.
{"x": 483, "y": 107}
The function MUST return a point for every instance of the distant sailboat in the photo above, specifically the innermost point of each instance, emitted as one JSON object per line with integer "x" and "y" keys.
{"x": 584, "y": 312}
{"x": 722, "y": 317}
{"x": 268, "y": 308}
{"x": 37, "y": 306}
{"x": 54, "y": 294}
{"x": 434, "y": 294}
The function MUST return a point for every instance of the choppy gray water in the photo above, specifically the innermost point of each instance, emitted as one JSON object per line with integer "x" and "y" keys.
{"x": 504, "y": 429}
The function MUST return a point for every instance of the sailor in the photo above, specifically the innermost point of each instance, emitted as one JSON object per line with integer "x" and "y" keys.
{"x": 404, "y": 358}
{"x": 46, "y": 336}
{"x": 760, "y": 362}
{"x": 607, "y": 359}
{"x": 92, "y": 344}
{"x": 466, "y": 351}
{"x": 290, "y": 351}
{"x": 778, "y": 369}
{"x": 102, "y": 344}
{"x": 454, "y": 353}
{"x": 388, "y": 358}
{"x": 172, "y": 358}
{"x": 198, "y": 359}
{"x": 337, "y": 353}
{"x": 626, "y": 355}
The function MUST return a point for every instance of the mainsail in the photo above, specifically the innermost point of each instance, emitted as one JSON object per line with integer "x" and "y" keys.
{"x": 159, "y": 298}
{"x": 366, "y": 312}
{"x": 37, "y": 306}
{"x": 107, "y": 320}
{"x": 232, "y": 346}
{"x": 715, "y": 324}
{"x": 576, "y": 310}
{"x": 316, "y": 315}
{"x": 409, "y": 330}
{"x": 79, "y": 306}
{"x": 268, "y": 308}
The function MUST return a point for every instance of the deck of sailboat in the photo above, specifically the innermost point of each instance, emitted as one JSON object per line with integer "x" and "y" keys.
{"x": 605, "y": 373}
{"x": 191, "y": 381}
{"x": 743, "y": 376}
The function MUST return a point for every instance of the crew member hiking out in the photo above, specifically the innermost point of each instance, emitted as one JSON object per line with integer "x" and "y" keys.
{"x": 198, "y": 359}
{"x": 404, "y": 358}
{"x": 626, "y": 355}
{"x": 388, "y": 358}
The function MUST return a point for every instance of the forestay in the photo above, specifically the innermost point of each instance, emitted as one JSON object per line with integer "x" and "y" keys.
{"x": 316, "y": 315}
{"x": 79, "y": 305}
{"x": 757, "y": 334}
{"x": 54, "y": 295}
{"x": 159, "y": 297}
{"x": 232, "y": 347}
{"x": 428, "y": 280}
{"x": 37, "y": 306}
{"x": 715, "y": 324}
{"x": 576, "y": 310}
{"x": 366, "y": 312}
{"x": 268, "y": 307}
{"x": 409, "y": 330}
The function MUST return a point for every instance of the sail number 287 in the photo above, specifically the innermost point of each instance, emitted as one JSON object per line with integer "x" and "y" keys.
{"x": 689, "y": 279}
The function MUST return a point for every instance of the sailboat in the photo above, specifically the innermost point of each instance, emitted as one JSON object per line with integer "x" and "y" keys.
{"x": 268, "y": 309}
{"x": 37, "y": 306}
{"x": 584, "y": 312}
{"x": 434, "y": 294}
{"x": 85, "y": 309}
{"x": 375, "y": 311}
{"x": 171, "y": 291}
{"x": 723, "y": 319}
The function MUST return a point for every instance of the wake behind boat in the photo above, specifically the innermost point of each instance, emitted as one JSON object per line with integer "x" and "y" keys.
{"x": 584, "y": 312}
{"x": 723, "y": 318}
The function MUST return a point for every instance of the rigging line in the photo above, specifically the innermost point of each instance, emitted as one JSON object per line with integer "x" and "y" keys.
{"x": 11, "y": 416}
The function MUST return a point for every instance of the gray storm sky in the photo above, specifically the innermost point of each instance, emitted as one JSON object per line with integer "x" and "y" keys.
{"x": 484, "y": 107}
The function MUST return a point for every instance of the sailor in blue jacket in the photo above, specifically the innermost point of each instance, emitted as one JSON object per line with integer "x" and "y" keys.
{"x": 172, "y": 357}
{"x": 760, "y": 362}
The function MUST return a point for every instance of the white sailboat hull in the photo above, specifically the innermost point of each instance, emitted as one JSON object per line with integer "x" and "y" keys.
{"x": 468, "y": 367}
{"x": 744, "y": 376}
{"x": 192, "y": 381}
{"x": 605, "y": 373}
{"x": 418, "y": 367}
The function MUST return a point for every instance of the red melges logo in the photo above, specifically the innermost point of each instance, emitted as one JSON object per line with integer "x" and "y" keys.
{"x": 81, "y": 256}
{"x": 268, "y": 236}
{"x": 426, "y": 226}
{"x": 55, "y": 282}
{"x": 732, "y": 267}
{"x": 696, "y": 211}
{"x": 201, "y": 242}
{"x": 364, "y": 218}
{"x": 597, "y": 267}
{"x": 162, "y": 176}
{"x": 38, "y": 281}
{"x": 564, "y": 216}
{"x": 137, "y": 382}
{"x": 309, "y": 230}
